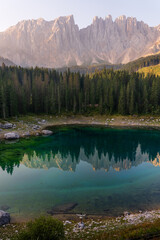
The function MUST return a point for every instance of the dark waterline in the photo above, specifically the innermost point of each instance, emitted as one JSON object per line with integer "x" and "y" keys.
{"x": 103, "y": 170}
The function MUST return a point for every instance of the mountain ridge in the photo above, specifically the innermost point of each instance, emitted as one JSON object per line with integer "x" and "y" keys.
{"x": 60, "y": 42}
{"x": 6, "y": 61}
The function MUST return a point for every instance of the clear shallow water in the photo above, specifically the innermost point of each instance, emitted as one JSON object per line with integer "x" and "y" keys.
{"x": 104, "y": 170}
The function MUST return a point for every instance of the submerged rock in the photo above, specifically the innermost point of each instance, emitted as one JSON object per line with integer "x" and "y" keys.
{"x": 4, "y": 207}
{"x": 47, "y": 132}
{"x": 62, "y": 208}
{"x": 4, "y": 218}
{"x": 11, "y": 135}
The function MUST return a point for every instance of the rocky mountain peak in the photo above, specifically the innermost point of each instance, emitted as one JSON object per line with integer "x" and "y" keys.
{"x": 59, "y": 42}
{"x": 121, "y": 19}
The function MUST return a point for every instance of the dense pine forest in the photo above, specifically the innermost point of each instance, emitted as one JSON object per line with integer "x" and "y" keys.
{"x": 44, "y": 91}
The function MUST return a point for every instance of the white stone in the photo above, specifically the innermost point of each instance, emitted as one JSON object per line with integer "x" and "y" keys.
{"x": 47, "y": 132}
{"x": 11, "y": 135}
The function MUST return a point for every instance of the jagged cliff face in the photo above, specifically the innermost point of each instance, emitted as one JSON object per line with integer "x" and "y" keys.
{"x": 121, "y": 41}
{"x": 60, "y": 43}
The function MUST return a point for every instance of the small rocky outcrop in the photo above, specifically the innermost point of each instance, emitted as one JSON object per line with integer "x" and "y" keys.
{"x": 4, "y": 218}
{"x": 62, "y": 208}
{"x": 47, "y": 132}
{"x": 11, "y": 135}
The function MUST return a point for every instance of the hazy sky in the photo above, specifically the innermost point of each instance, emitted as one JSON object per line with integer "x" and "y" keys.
{"x": 12, "y": 11}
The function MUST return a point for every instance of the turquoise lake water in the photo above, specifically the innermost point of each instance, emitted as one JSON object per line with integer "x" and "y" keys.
{"x": 103, "y": 170}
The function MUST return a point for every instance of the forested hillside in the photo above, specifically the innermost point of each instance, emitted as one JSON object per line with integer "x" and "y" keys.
{"x": 142, "y": 62}
{"x": 24, "y": 91}
{"x": 150, "y": 70}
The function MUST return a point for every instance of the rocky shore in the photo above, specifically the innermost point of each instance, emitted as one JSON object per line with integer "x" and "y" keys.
{"x": 37, "y": 125}
{"x": 95, "y": 227}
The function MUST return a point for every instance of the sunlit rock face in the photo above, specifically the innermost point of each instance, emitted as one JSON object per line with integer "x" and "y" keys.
{"x": 61, "y": 43}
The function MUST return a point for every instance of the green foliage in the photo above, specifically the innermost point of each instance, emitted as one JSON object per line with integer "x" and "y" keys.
{"x": 43, "y": 228}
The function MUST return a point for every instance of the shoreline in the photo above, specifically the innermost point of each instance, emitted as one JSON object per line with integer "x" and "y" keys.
{"x": 29, "y": 126}
{"x": 94, "y": 227}
{"x": 70, "y": 216}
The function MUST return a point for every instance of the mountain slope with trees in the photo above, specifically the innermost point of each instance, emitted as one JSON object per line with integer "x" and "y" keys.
{"x": 131, "y": 66}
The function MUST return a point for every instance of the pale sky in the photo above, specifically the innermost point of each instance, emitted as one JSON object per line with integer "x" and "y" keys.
{"x": 13, "y": 11}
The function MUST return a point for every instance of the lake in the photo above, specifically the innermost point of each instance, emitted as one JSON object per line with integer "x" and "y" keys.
{"x": 103, "y": 170}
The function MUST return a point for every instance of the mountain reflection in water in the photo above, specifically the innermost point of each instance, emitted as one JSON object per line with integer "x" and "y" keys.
{"x": 103, "y": 148}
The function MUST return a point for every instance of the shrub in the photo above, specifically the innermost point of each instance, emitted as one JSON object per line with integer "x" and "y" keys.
{"x": 43, "y": 228}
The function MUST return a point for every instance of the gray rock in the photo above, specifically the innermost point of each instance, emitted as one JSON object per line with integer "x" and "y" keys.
{"x": 43, "y": 121}
{"x": 26, "y": 134}
{"x": 7, "y": 125}
{"x": 14, "y": 125}
{"x": 4, "y": 218}
{"x": 36, "y": 127}
{"x": 11, "y": 135}
{"x": 47, "y": 132}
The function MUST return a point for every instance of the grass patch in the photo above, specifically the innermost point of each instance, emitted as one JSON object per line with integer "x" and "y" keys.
{"x": 151, "y": 70}
{"x": 140, "y": 231}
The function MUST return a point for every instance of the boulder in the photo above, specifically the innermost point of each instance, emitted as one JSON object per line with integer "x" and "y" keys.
{"x": 11, "y": 135}
{"x": 4, "y": 218}
{"x": 47, "y": 132}
{"x": 7, "y": 125}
